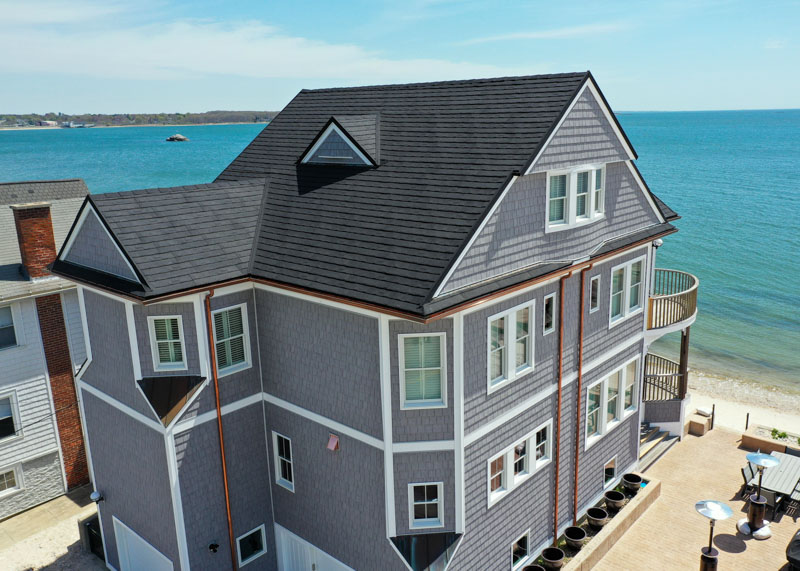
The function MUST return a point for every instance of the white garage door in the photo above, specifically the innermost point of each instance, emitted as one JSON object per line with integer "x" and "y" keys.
{"x": 135, "y": 554}
{"x": 296, "y": 554}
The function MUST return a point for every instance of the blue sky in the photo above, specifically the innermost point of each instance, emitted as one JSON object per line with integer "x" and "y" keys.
{"x": 159, "y": 55}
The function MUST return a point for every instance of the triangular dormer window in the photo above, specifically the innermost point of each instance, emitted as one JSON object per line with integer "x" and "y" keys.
{"x": 345, "y": 140}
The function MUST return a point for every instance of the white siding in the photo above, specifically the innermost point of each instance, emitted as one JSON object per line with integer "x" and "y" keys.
{"x": 72, "y": 319}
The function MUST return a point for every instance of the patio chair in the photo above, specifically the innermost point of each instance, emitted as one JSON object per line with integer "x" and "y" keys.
{"x": 746, "y": 488}
{"x": 773, "y": 500}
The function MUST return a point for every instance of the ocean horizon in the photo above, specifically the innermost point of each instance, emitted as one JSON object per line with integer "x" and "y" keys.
{"x": 727, "y": 173}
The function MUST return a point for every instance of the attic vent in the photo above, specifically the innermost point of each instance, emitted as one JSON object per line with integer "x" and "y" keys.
{"x": 337, "y": 145}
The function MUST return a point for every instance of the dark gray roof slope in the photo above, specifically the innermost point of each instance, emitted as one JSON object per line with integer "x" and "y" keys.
{"x": 42, "y": 190}
{"x": 387, "y": 235}
{"x": 186, "y": 236}
{"x": 364, "y": 130}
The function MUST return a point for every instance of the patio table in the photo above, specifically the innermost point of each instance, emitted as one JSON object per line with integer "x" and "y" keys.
{"x": 783, "y": 478}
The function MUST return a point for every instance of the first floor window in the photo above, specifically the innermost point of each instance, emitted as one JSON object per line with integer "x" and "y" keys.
{"x": 166, "y": 334}
{"x": 593, "y": 411}
{"x": 230, "y": 338}
{"x": 8, "y": 481}
{"x": 626, "y": 289}
{"x": 516, "y": 463}
{"x": 594, "y": 294}
{"x": 609, "y": 472}
{"x": 509, "y": 359}
{"x": 422, "y": 369}
{"x": 549, "y": 319}
{"x": 519, "y": 551}
{"x": 426, "y": 505}
{"x": 251, "y": 545}
{"x": 630, "y": 384}
{"x": 7, "y": 427}
{"x": 615, "y": 395}
{"x": 284, "y": 467}
{"x": 8, "y": 337}
{"x": 612, "y": 402}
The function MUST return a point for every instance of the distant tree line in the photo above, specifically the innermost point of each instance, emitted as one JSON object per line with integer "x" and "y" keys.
{"x": 119, "y": 119}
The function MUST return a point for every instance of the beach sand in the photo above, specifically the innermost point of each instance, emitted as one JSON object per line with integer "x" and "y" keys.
{"x": 768, "y": 405}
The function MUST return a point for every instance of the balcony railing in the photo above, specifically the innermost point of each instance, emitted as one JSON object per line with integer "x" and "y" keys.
{"x": 662, "y": 379}
{"x": 673, "y": 298}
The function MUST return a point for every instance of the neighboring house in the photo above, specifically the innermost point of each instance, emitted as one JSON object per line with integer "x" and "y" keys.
{"x": 41, "y": 346}
{"x": 390, "y": 335}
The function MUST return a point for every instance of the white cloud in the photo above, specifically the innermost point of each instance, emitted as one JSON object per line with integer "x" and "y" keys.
{"x": 16, "y": 12}
{"x": 553, "y": 34}
{"x": 774, "y": 44}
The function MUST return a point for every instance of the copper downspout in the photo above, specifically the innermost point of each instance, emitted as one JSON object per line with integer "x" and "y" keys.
{"x": 580, "y": 388}
{"x": 213, "y": 355}
{"x": 558, "y": 409}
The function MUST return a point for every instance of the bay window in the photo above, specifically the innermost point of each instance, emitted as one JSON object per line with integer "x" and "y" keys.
{"x": 575, "y": 197}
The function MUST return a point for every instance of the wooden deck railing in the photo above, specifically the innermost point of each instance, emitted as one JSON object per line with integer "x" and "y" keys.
{"x": 673, "y": 298}
{"x": 662, "y": 379}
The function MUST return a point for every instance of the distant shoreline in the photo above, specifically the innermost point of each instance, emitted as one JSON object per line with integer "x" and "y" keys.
{"x": 56, "y": 127}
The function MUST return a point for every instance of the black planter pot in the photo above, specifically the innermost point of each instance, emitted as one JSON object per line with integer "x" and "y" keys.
{"x": 553, "y": 557}
{"x": 575, "y": 536}
{"x": 614, "y": 500}
{"x": 597, "y": 517}
{"x": 533, "y": 568}
{"x": 632, "y": 483}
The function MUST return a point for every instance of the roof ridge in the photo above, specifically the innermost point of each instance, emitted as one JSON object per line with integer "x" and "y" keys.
{"x": 182, "y": 188}
{"x": 44, "y": 181}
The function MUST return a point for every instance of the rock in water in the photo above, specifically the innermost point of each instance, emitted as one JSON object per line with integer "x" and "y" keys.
{"x": 177, "y": 137}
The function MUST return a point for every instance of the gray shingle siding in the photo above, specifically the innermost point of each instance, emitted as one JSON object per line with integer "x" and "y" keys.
{"x": 338, "y": 503}
{"x": 126, "y": 454}
{"x": 42, "y": 480}
{"x": 321, "y": 358}
{"x": 186, "y": 312}
{"x": 422, "y": 467}
{"x": 93, "y": 248}
{"x": 420, "y": 424}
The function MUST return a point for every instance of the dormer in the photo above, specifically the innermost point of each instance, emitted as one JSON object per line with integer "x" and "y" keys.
{"x": 350, "y": 140}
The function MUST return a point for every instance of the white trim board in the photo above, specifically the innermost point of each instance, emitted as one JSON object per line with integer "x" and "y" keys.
{"x": 177, "y": 500}
{"x": 157, "y": 426}
{"x": 210, "y": 415}
{"x": 384, "y": 340}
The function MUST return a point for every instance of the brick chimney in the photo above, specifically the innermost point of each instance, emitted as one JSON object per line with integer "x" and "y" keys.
{"x": 35, "y": 235}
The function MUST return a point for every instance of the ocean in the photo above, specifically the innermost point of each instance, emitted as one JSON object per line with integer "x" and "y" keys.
{"x": 733, "y": 176}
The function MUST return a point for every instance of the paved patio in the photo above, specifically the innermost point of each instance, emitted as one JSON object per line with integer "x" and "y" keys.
{"x": 670, "y": 534}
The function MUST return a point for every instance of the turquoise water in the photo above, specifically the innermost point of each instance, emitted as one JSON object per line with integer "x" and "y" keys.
{"x": 733, "y": 176}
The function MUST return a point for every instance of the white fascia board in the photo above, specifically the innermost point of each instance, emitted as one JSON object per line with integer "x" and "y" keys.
{"x": 345, "y": 137}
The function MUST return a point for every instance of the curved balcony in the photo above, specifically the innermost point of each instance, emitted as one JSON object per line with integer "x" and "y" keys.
{"x": 663, "y": 379}
{"x": 673, "y": 299}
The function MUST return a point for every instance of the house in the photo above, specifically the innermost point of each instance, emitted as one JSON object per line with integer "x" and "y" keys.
{"x": 41, "y": 346}
{"x": 391, "y": 334}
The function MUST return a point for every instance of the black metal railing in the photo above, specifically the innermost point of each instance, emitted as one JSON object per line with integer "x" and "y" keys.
{"x": 662, "y": 379}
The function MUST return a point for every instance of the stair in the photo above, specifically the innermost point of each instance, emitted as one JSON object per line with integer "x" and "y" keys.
{"x": 653, "y": 443}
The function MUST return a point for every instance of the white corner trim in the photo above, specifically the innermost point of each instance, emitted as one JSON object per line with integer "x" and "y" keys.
{"x": 386, "y": 409}
{"x": 201, "y": 332}
{"x": 644, "y": 191}
{"x": 423, "y": 446}
{"x": 134, "y": 344}
{"x": 332, "y": 127}
{"x": 177, "y": 501}
{"x": 210, "y": 415}
{"x": 157, "y": 426}
{"x": 458, "y": 421}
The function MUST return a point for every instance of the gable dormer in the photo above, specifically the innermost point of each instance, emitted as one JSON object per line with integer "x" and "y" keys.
{"x": 350, "y": 140}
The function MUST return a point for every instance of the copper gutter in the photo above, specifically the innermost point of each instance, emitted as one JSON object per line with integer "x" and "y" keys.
{"x": 579, "y": 393}
{"x": 213, "y": 356}
{"x": 558, "y": 405}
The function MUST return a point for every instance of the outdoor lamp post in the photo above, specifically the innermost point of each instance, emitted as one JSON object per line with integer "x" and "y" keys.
{"x": 714, "y": 511}
{"x": 758, "y": 503}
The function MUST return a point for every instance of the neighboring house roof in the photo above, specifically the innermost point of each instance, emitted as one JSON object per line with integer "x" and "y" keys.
{"x": 384, "y": 234}
{"x": 65, "y": 198}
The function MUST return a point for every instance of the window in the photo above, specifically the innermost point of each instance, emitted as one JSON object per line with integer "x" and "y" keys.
{"x": 594, "y": 294}
{"x": 575, "y": 197}
{"x": 8, "y": 337}
{"x": 10, "y": 481}
{"x": 519, "y": 551}
{"x": 510, "y": 359}
{"x": 284, "y": 467}
{"x": 231, "y": 339}
{"x": 425, "y": 505}
{"x": 549, "y": 319}
{"x": 626, "y": 290}
{"x": 166, "y": 338}
{"x": 422, "y": 370}
{"x": 609, "y": 472}
{"x": 7, "y": 424}
{"x": 610, "y": 400}
{"x": 251, "y": 545}
{"x": 518, "y": 462}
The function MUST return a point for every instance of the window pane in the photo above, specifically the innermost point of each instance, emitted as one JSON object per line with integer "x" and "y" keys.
{"x": 433, "y": 384}
{"x": 431, "y": 351}
{"x": 610, "y": 471}
{"x": 251, "y": 545}
{"x": 414, "y": 385}
{"x": 432, "y": 493}
{"x": 235, "y": 325}
{"x": 523, "y": 339}
{"x": 558, "y": 186}
{"x": 557, "y": 208}
{"x": 598, "y": 201}
{"x": 522, "y": 322}
{"x": 7, "y": 481}
{"x": 630, "y": 383}
{"x": 498, "y": 333}
{"x": 413, "y": 352}
{"x": 519, "y": 550}
{"x": 598, "y": 178}
{"x": 177, "y": 352}
{"x": 6, "y": 427}
{"x": 223, "y": 354}
{"x": 6, "y": 318}
{"x": 636, "y": 280}
{"x": 520, "y": 453}
{"x": 618, "y": 280}
{"x": 522, "y": 353}
{"x": 7, "y": 337}
{"x": 419, "y": 511}
{"x": 581, "y": 209}
{"x": 5, "y": 408}
{"x": 549, "y": 304}
{"x": 593, "y": 414}
{"x": 236, "y": 348}
{"x": 594, "y": 294}
{"x": 498, "y": 364}
{"x": 432, "y": 511}
{"x": 419, "y": 493}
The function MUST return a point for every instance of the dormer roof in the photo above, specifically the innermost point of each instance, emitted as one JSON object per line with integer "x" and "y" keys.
{"x": 350, "y": 140}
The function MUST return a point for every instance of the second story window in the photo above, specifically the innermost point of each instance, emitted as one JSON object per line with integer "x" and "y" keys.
{"x": 8, "y": 337}
{"x": 166, "y": 338}
{"x": 231, "y": 341}
{"x": 575, "y": 197}
{"x": 626, "y": 290}
{"x": 510, "y": 352}
{"x": 422, "y": 370}
{"x": 283, "y": 460}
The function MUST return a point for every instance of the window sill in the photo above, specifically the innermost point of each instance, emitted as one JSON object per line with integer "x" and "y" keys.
{"x": 10, "y": 439}
{"x": 238, "y": 368}
{"x": 170, "y": 369}
{"x": 422, "y": 405}
{"x": 561, "y": 226}
{"x": 495, "y": 497}
{"x": 617, "y": 320}
{"x": 286, "y": 485}
{"x": 8, "y": 493}
{"x": 427, "y": 524}
{"x": 591, "y": 440}
{"x": 10, "y": 347}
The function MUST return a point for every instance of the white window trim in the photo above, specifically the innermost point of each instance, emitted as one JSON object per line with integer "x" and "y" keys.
{"x": 510, "y": 480}
{"x": 614, "y": 480}
{"x": 622, "y": 412}
{"x": 18, "y": 478}
{"x": 157, "y": 366}
{"x": 512, "y": 374}
{"x": 16, "y": 322}
{"x": 248, "y": 361}
{"x": 401, "y": 358}
{"x": 277, "y": 462}
{"x": 546, "y": 331}
{"x": 599, "y": 283}
{"x": 257, "y": 555}
{"x": 426, "y": 524}
{"x": 525, "y": 560}
{"x": 18, "y": 434}
{"x": 626, "y": 312}
{"x": 572, "y": 220}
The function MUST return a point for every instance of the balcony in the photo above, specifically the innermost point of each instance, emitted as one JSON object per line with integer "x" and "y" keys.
{"x": 673, "y": 301}
{"x": 663, "y": 379}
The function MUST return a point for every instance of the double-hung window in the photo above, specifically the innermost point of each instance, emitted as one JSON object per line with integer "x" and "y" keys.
{"x": 425, "y": 506}
{"x": 283, "y": 460}
{"x": 626, "y": 289}
{"x": 423, "y": 374}
{"x": 575, "y": 196}
{"x": 7, "y": 414}
{"x": 231, "y": 339}
{"x": 166, "y": 339}
{"x": 515, "y": 464}
{"x": 8, "y": 336}
{"x": 610, "y": 400}
{"x": 510, "y": 351}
